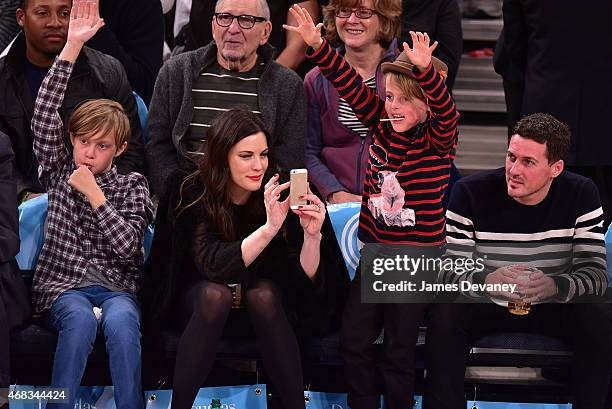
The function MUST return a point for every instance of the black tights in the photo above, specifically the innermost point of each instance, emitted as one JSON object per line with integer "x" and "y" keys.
{"x": 207, "y": 306}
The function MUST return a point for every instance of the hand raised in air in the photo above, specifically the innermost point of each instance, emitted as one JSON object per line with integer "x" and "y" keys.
{"x": 420, "y": 54}
{"x": 85, "y": 21}
{"x": 311, "y": 33}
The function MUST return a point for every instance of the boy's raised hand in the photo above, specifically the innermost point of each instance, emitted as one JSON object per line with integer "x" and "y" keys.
{"x": 85, "y": 22}
{"x": 311, "y": 33}
{"x": 420, "y": 54}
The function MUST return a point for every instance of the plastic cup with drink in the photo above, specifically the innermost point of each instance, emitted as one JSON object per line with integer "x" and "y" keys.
{"x": 521, "y": 307}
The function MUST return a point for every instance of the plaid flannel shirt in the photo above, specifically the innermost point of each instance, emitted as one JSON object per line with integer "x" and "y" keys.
{"x": 109, "y": 237}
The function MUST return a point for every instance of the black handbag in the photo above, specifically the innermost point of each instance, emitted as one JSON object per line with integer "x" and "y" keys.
{"x": 14, "y": 295}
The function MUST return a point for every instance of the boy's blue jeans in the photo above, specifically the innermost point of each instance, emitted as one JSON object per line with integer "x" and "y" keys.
{"x": 73, "y": 317}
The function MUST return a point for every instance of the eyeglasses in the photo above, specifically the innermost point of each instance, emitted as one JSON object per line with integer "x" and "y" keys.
{"x": 245, "y": 21}
{"x": 363, "y": 13}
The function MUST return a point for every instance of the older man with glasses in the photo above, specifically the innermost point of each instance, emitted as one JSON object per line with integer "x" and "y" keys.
{"x": 237, "y": 69}
{"x": 290, "y": 49}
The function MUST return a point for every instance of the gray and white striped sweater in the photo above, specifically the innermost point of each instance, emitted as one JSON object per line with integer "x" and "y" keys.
{"x": 563, "y": 235}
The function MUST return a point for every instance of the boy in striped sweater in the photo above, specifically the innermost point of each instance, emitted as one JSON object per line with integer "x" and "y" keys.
{"x": 414, "y": 138}
{"x": 540, "y": 228}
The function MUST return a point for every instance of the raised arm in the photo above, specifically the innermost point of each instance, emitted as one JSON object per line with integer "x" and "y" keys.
{"x": 366, "y": 104}
{"x": 47, "y": 125}
{"x": 444, "y": 115}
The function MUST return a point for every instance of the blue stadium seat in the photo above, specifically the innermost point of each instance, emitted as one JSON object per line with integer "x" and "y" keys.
{"x": 143, "y": 114}
{"x": 35, "y": 344}
{"x": 345, "y": 221}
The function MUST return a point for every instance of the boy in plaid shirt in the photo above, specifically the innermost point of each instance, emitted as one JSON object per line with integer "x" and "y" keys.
{"x": 96, "y": 220}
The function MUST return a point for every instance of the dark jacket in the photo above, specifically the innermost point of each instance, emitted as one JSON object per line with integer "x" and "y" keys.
{"x": 336, "y": 156}
{"x": 556, "y": 57}
{"x": 441, "y": 19}
{"x": 281, "y": 98}
{"x": 14, "y": 299}
{"x": 95, "y": 75}
{"x": 9, "y": 222}
{"x": 134, "y": 34}
{"x": 170, "y": 267}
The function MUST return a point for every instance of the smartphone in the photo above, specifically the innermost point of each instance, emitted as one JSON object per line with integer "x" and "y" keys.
{"x": 298, "y": 187}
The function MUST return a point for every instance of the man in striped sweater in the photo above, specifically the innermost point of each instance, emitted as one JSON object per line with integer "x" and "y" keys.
{"x": 237, "y": 69}
{"x": 541, "y": 229}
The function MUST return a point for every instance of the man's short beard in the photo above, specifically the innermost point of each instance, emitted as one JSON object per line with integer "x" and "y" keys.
{"x": 232, "y": 58}
{"x": 233, "y": 61}
{"x": 232, "y": 55}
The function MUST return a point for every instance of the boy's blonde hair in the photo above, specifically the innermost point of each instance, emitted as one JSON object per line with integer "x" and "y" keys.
{"x": 100, "y": 115}
{"x": 407, "y": 85}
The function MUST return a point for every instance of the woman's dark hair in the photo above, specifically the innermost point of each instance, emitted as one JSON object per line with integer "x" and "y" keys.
{"x": 225, "y": 131}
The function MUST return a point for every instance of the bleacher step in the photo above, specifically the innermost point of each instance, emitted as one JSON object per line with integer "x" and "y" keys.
{"x": 481, "y": 30}
{"x": 480, "y": 100}
{"x": 505, "y": 374}
{"x": 481, "y": 147}
{"x": 464, "y": 83}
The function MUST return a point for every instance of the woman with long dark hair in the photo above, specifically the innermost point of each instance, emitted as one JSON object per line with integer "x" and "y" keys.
{"x": 243, "y": 233}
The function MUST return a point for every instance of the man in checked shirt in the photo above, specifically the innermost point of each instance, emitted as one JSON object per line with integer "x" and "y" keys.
{"x": 96, "y": 220}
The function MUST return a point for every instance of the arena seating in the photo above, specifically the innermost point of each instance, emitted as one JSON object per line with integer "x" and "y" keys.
{"x": 33, "y": 349}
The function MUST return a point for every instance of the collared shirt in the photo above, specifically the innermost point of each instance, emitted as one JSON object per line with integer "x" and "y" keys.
{"x": 109, "y": 237}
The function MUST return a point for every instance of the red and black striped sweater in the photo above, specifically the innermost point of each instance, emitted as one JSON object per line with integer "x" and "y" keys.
{"x": 421, "y": 156}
